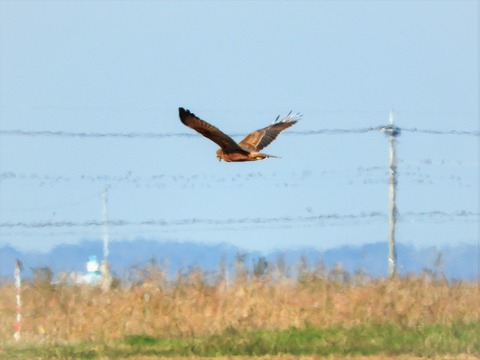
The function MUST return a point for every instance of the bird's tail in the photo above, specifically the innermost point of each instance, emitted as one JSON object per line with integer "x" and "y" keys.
{"x": 261, "y": 156}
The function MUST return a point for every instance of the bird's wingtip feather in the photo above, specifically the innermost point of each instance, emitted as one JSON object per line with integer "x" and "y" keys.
{"x": 289, "y": 118}
{"x": 184, "y": 112}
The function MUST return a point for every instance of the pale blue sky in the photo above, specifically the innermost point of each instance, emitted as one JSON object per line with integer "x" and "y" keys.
{"x": 126, "y": 66}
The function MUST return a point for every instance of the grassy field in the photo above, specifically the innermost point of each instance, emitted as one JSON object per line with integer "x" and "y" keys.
{"x": 360, "y": 340}
{"x": 316, "y": 315}
{"x": 372, "y": 340}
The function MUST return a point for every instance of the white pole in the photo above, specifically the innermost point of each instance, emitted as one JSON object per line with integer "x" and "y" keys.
{"x": 392, "y": 256}
{"x": 18, "y": 286}
{"x": 105, "y": 270}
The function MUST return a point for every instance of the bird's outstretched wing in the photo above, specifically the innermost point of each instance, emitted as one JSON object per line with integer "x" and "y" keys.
{"x": 209, "y": 131}
{"x": 261, "y": 138}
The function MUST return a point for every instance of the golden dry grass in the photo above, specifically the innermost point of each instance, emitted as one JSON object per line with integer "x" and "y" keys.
{"x": 189, "y": 306}
{"x": 293, "y": 357}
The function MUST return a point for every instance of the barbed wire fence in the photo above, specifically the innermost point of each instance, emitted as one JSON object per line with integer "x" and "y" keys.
{"x": 160, "y": 180}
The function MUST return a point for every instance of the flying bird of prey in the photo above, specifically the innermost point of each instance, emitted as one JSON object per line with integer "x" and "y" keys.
{"x": 246, "y": 150}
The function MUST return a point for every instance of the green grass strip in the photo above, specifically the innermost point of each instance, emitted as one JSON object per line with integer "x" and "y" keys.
{"x": 363, "y": 339}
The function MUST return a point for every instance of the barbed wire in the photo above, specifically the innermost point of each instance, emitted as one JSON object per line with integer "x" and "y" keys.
{"x": 188, "y": 221}
{"x": 441, "y": 132}
{"x": 153, "y": 135}
{"x": 71, "y": 134}
{"x": 190, "y": 179}
{"x": 377, "y": 174}
{"x": 465, "y": 214}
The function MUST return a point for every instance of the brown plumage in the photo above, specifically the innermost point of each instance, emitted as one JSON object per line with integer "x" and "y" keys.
{"x": 247, "y": 149}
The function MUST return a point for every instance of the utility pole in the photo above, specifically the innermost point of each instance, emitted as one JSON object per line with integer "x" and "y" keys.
{"x": 392, "y": 132}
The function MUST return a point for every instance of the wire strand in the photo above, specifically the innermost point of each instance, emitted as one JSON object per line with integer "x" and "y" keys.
{"x": 152, "y": 135}
{"x": 241, "y": 221}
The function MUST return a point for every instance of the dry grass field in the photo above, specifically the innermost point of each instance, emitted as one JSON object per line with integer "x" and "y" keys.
{"x": 191, "y": 307}
{"x": 292, "y": 357}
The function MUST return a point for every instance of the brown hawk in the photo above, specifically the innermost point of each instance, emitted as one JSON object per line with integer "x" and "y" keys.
{"x": 246, "y": 150}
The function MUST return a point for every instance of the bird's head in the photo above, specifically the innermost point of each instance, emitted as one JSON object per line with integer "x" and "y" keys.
{"x": 219, "y": 154}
